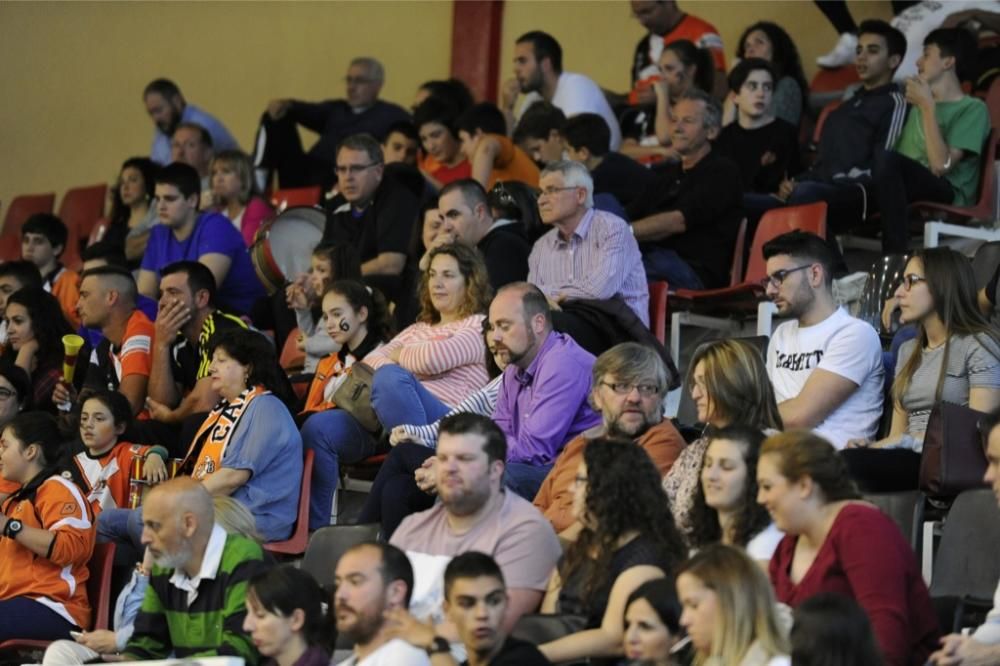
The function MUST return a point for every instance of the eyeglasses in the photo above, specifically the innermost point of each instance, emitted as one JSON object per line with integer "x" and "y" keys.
{"x": 624, "y": 388}
{"x": 6, "y": 394}
{"x": 912, "y": 279}
{"x": 353, "y": 169}
{"x": 776, "y": 278}
{"x": 550, "y": 191}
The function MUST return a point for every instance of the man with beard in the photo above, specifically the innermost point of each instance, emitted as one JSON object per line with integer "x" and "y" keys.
{"x": 194, "y": 605}
{"x": 168, "y": 109}
{"x": 476, "y": 513}
{"x": 543, "y": 396}
{"x": 539, "y": 75}
{"x": 825, "y": 365}
{"x": 629, "y": 384}
{"x": 373, "y": 579}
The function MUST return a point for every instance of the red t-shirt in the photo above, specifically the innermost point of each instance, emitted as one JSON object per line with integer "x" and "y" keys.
{"x": 865, "y": 557}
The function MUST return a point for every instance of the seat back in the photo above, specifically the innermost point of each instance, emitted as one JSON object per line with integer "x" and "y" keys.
{"x": 99, "y": 584}
{"x": 20, "y": 209}
{"x": 82, "y": 207}
{"x": 291, "y": 358}
{"x": 296, "y": 544}
{"x": 823, "y": 115}
{"x": 658, "y": 310}
{"x": 993, "y": 102}
{"x": 987, "y": 175}
{"x": 739, "y": 249}
{"x": 328, "y": 544}
{"x": 985, "y": 263}
{"x": 901, "y": 507}
{"x": 292, "y": 197}
{"x": 777, "y": 221}
{"x": 966, "y": 564}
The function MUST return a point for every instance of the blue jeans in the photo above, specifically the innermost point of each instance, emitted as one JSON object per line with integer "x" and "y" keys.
{"x": 400, "y": 399}
{"x": 661, "y": 263}
{"x": 120, "y": 526}
{"x": 334, "y": 436}
{"x": 25, "y": 618}
{"x": 525, "y": 479}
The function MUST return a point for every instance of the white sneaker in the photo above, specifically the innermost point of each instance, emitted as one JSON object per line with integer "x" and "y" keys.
{"x": 842, "y": 54}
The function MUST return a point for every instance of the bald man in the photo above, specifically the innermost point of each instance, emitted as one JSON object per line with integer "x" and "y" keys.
{"x": 194, "y": 603}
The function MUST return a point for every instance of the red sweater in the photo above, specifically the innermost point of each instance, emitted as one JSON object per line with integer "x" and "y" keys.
{"x": 865, "y": 557}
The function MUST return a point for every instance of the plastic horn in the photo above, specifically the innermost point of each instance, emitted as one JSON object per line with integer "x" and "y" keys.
{"x": 72, "y": 344}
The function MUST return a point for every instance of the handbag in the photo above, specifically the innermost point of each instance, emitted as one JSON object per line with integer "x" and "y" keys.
{"x": 953, "y": 458}
{"x": 354, "y": 396}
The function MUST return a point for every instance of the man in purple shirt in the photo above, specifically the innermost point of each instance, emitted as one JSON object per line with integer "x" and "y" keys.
{"x": 543, "y": 397}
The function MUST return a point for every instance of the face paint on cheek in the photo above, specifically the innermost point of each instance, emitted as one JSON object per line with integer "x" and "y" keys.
{"x": 344, "y": 325}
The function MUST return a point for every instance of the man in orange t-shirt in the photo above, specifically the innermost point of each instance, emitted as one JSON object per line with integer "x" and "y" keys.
{"x": 482, "y": 133}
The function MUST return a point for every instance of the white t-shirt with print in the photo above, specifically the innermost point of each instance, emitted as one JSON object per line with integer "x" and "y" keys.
{"x": 843, "y": 345}
{"x": 396, "y": 652}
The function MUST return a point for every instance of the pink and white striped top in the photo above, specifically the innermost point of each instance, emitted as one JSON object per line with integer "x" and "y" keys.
{"x": 448, "y": 359}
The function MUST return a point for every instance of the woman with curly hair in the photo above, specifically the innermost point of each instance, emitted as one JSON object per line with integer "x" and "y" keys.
{"x": 725, "y": 503}
{"x": 628, "y": 538}
{"x": 770, "y": 42}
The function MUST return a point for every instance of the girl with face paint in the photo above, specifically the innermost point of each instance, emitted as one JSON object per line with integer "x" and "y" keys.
{"x": 357, "y": 321}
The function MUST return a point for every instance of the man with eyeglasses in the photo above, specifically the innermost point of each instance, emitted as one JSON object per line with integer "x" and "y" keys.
{"x": 361, "y": 111}
{"x": 376, "y": 213}
{"x": 629, "y": 382}
{"x": 824, "y": 364}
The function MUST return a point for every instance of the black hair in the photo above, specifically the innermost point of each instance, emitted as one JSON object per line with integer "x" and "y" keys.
{"x": 538, "y": 121}
{"x": 49, "y": 226}
{"x": 833, "y": 630}
{"x": 48, "y": 324}
{"x": 466, "y": 423}
{"x": 40, "y": 428}
{"x": 739, "y": 74}
{"x": 516, "y": 200}
{"x": 364, "y": 143}
{"x": 957, "y": 43}
{"x": 199, "y": 277}
{"x": 451, "y": 91}
{"x": 109, "y": 252}
{"x": 404, "y": 127}
{"x": 117, "y": 404}
{"x": 472, "y": 192}
{"x": 590, "y": 131}
{"x": 164, "y": 87}
{"x": 182, "y": 176}
{"x": 895, "y": 41}
{"x": 203, "y": 135}
{"x": 483, "y": 116}
{"x": 21, "y": 382}
{"x": 987, "y": 424}
{"x": 689, "y": 55}
{"x": 661, "y": 595}
{"x": 395, "y": 565}
{"x": 283, "y": 589}
{"x": 802, "y": 245}
{"x": 545, "y": 46}
{"x": 436, "y": 110}
{"x": 23, "y": 271}
{"x": 127, "y": 288}
{"x": 785, "y": 60}
{"x": 533, "y": 301}
{"x": 252, "y": 349}
{"x": 119, "y": 211}
{"x": 471, "y": 564}
{"x": 358, "y": 295}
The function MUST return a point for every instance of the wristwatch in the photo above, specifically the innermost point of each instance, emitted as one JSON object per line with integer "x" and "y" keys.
{"x": 438, "y": 646}
{"x": 12, "y": 529}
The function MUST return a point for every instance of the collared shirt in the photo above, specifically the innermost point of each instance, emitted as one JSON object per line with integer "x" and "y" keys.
{"x": 161, "y": 153}
{"x": 209, "y": 565}
{"x": 600, "y": 260}
{"x": 543, "y": 406}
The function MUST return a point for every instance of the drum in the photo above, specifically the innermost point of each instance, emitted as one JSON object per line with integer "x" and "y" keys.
{"x": 282, "y": 252}
{"x": 138, "y": 485}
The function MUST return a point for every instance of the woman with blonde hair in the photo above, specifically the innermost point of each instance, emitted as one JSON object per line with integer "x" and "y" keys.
{"x": 729, "y": 385}
{"x": 729, "y": 610}
{"x": 233, "y": 194}
{"x": 836, "y": 543}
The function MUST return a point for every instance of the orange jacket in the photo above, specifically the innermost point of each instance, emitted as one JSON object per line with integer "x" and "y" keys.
{"x": 555, "y": 496}
{"x": 59, "y": 580}
{"x": 66, "y": 289}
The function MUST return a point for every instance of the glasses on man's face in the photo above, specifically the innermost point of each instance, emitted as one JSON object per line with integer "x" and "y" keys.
{"x": 911, "y": 279}
{"x": 777, "y": 278}
{"x": 552, "y": 191}
{"x": 624, "y": 388}
{"x": 6, "y": 394}
{"x": 353, "y": 169}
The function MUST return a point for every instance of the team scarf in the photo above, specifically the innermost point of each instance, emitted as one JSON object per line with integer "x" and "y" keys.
{"x": 216, "y": 431}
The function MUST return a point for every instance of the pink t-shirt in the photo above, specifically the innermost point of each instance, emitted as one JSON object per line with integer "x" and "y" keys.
{"x": 517, "y": 536}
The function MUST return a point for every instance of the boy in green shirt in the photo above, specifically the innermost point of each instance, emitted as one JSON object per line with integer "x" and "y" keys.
{"x": 937, "y": 155}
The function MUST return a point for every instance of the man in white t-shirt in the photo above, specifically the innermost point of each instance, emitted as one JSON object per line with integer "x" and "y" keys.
{"x": 373, "y": 578}
{"x": 825, "y": 365}
{"x": 539, "y": 75}
{"x": 476, "y": 513}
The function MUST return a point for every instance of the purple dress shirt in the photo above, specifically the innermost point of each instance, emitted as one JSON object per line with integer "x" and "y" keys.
{"x": 543, "y": 407}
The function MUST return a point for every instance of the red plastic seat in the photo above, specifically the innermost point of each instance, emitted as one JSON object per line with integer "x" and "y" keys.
{"x": 299, "y": 196}
{"x": 20, "y": 209}
{"x": 983, "y": 208}
{"x": 98, "y": 592}
{"x": 833, "y": 80}
{"x": 296, "y": 544}
{"x": 291, "y": 358}
{"x": 658, "y": 310}
{"x": 82, "y": 207}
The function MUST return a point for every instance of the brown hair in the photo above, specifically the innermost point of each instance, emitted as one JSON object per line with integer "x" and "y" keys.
{"x": 803, "y": 453}
{"x": 737, "y": 383}
{"x": 478, "y": 291}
